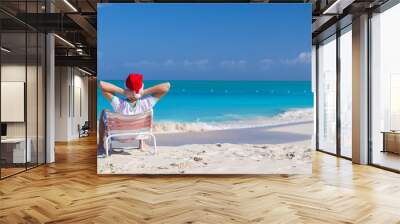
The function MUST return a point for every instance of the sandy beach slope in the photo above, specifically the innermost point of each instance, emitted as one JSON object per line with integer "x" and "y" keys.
{"x": 288, "y": 152}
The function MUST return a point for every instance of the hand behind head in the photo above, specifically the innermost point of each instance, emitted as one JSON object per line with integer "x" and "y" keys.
{"x": 129, "y": 95}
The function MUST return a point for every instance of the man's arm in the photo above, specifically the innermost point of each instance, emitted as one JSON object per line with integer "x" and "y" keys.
{"x": 159, "y": 90}
{"x": 109, "y": 90}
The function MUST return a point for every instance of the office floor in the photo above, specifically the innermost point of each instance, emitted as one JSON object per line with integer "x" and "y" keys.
{"x": 70, "y": 191}
{"x": 10, "y": 171}
{"x": 387, "y": 159}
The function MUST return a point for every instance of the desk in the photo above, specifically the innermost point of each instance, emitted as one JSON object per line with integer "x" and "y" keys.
{"x": 391, "y": 141}
{"x": 13, "y": 150}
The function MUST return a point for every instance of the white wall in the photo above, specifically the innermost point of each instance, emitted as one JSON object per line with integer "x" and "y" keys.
{"x": 33, "y": 126}
{"x": 70, "y": 83}
{"x": 17, "y": 73}
{"x": 61, "y": 103}
{"x": 80, "y": 89}
{"x": 14, "y": 72}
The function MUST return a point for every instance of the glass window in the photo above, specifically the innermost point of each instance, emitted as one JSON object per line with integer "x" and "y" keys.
{"x": 22, "y": 92}
{"x": 346, "y": 92}
{"x": 385, "y": 88}
{"x": 13, "y": 86}
{"x": 327, "y": 95}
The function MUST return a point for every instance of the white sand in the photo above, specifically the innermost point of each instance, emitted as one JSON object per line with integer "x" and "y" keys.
{"x": 305, "y": 128}
{"x": 286, "y": 158}
{"x": 212, "y": 159}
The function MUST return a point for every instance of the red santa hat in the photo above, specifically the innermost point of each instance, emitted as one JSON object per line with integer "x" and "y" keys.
{"x": 134, "y": 83}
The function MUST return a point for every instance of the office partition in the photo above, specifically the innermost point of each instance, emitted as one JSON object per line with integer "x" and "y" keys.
{"x": 22, "y": 77}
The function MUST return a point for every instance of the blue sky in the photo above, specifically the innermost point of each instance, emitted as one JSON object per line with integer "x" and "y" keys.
{"x": 205, "y": 41}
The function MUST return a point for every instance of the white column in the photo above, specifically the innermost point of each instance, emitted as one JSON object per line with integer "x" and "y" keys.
{"x": 360, "y": 90}
{"x": 50, "y": 92}
{"x": 50, "y": 100}
{"x": 314, "y": 90}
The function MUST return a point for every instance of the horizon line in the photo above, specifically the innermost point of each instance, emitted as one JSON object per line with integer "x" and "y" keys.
{"x": 237, "y": 80}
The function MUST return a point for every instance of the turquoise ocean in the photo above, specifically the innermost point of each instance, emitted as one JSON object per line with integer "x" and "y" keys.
{"x": 224, "y": 101}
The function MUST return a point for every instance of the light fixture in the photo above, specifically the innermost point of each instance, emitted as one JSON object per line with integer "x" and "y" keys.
{"x": 337, "y": 7}
{"x": 70, "y": 5}
{"x": 331, "y": 8}
{"x": 5, "y": 50}
{"x": 79, "y": 51}
{"x": 84, "y": 71}
{"x": 64, "y": 40}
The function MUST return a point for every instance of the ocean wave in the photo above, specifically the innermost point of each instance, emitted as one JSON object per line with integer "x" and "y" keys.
{"x": 287, "y": 117}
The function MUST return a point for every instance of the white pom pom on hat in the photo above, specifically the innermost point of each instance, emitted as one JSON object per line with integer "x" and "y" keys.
{"x": 138, "y": 95}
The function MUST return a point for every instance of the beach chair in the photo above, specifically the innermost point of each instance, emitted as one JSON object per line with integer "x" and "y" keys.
{"x": 127, "y": 127}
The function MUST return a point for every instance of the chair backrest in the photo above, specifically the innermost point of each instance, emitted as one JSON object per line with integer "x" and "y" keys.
{"x": 118, "y": 123}
{"x": 85, "y": 126}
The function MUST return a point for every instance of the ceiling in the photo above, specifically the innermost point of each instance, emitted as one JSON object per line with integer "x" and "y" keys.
{"x": 75, "y": 21}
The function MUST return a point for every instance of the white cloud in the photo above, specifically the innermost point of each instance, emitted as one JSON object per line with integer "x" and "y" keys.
{"x": 169, "y": 63}
{"x": 141, "y": 63}
{"x": 305, "y": 57}
{"x": 233, "y": 64}
{"x": 302, "y": 58}
{"x": 199, "y": 64}
{"x": 145, "y": 63}
{"x": 265, "y": 63}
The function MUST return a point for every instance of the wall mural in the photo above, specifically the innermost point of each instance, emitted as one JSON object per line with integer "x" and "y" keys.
{"x": 204, "y": 89}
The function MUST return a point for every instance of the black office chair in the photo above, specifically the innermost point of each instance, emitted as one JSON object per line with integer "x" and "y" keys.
{"x": 84, "y": 130}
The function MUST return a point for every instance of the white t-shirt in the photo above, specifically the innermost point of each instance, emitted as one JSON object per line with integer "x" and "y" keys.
{"x": 141, "y": 105}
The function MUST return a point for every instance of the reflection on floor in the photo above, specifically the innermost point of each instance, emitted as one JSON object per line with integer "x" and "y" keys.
{"x": 387, "y": 159}
{"x": 11, "y": 169}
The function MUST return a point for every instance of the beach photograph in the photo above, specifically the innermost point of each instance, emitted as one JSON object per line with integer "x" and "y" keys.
{"x": 207, "y": 94}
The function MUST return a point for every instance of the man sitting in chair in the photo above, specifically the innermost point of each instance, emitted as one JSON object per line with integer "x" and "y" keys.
{"x": 134, "y": 99}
